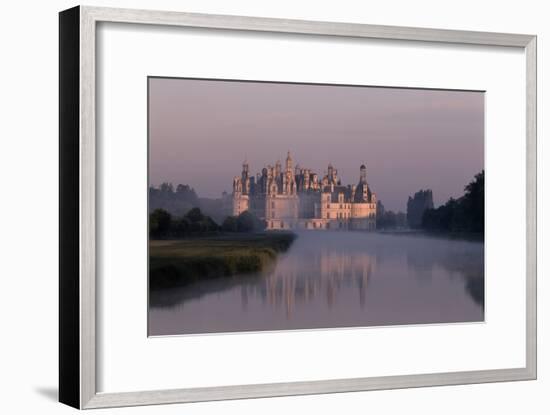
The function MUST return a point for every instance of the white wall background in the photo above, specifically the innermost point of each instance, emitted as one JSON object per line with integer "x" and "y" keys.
{"x": 28, "y": 211}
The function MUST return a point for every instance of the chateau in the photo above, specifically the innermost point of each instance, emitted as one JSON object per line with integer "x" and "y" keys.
{"x": 296, "y": 198}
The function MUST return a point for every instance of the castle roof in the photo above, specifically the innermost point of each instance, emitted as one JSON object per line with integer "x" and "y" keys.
{"x": 337, "y": 190}
{"x": 359, "y": 191}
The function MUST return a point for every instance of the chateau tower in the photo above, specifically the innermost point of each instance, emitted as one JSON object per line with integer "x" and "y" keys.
{"x": 363, "y": 174}
{"x": 288, "y": 162}
{"x": 289, "y": 180}
{"x": 332, "y": 176}
{"x": 245, "y": 178}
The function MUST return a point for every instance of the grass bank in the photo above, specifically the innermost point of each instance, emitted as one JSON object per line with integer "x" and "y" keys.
{"x": 180, "y": 262}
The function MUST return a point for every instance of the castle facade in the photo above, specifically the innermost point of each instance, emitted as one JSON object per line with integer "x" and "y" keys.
{"x": 297, "y": 198}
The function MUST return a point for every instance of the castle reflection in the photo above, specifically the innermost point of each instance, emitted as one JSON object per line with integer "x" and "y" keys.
{"x": 318, "y": 275}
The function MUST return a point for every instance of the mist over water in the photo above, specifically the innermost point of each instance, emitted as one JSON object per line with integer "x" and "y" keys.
{"x": 335, "y": 279}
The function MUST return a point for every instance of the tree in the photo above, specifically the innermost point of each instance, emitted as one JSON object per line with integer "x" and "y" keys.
{"x": 200, "y": 223}
{"x": 194, "y": 215}
{"x": 401, "y": 220}
{"x": 181, "y": 227}
{"x": 160, "y": 222}
{"x": 186, "y": 194}
{"x": 175, "y": 202}
{"x": 230, "y": 224}
{"x": 443, "y": 218}
{"x": 388, "y": 219}
{"x": 466, "y": 214}
{"x": 474, "y": 203}
{"x": 183, "y": 188}
{"x": 211, "y": 225}
{"x": 416, "y": 205}
{"x": 166, "y": 188}
{"x": 246, "y": 222}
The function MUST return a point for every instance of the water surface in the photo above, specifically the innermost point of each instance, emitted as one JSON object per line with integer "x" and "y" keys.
{"x": 335, "y": 279}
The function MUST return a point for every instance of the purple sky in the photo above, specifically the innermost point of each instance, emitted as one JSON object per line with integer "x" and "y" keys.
{"x": 409, "y": 139}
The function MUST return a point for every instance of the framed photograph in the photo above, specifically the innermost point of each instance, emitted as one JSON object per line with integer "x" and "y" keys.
{"x": 255, "y": 207}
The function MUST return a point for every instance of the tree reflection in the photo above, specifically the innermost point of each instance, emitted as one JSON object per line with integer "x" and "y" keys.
{"x": 464, "y": 259}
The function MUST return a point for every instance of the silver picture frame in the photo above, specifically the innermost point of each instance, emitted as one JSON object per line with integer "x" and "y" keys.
{"x": 78, "y": 164}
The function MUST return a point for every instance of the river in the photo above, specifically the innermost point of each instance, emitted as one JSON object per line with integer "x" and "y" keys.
{"x": 335, "y": 279}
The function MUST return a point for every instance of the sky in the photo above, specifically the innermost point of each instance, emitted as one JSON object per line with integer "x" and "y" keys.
{"x": 201, "y": 131}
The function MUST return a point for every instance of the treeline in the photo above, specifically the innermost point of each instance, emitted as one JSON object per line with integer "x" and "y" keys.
{"x": 245, "y": 222}
{"x": 388, "y": 219}
{"x": 391, "y": 220}
{"x": 163, "y": 225}
{"x": 176, "y": 200}
{"x": 466, "y": 214}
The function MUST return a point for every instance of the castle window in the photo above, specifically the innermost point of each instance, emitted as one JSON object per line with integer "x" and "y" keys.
{"x": 328, "y": 215}
{"x": 272, "y": 215}
{"x": 272, "y": 205}
{"x": 328, "y": 205}
{"x": 282, "y": 224}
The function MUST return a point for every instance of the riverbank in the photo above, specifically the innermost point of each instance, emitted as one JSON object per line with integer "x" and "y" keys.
{"x": 181, "y": 262}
